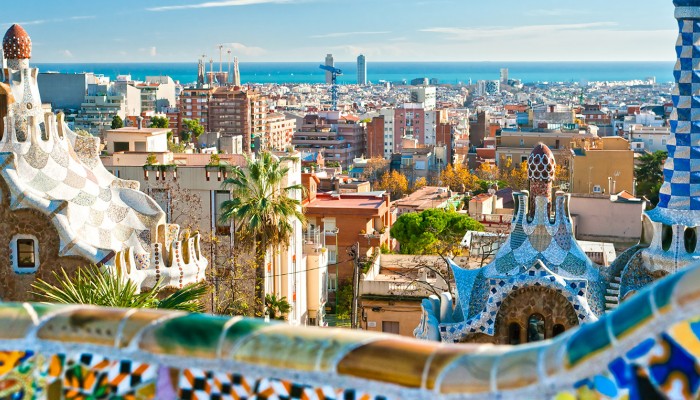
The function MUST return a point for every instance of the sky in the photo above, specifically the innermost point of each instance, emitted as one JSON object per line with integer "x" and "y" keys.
{"x": 384, "y": 30}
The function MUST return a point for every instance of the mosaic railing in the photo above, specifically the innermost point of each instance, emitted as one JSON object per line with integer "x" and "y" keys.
{"x": 649, "y": 344}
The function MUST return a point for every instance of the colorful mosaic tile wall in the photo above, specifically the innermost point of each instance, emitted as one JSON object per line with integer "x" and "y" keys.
{"x": 649, "y": 345}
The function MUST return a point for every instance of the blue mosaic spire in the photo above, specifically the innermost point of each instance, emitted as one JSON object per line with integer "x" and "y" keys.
{"x": 679, "y": 197}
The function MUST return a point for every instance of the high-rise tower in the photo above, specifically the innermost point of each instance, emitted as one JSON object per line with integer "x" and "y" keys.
{"x": 236, "y": 73}
{"x": 361, "y": 70}
{"x": 329, "y": 63}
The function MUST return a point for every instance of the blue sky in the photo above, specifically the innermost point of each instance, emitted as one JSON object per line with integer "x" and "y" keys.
{"x": 384, "y": 30}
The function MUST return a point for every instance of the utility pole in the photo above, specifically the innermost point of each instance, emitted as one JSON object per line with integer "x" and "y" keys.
{"x": 354, "y": 253}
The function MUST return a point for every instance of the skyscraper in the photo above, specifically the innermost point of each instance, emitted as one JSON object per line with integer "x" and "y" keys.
{"x": 329, "y": 63}
{"x": 361, "y": 70}
{"x": 504, "y": 76}
{"x": 236, "y": 73}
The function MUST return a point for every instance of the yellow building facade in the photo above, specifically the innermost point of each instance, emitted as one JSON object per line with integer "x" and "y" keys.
{"x": 602, "y": 165}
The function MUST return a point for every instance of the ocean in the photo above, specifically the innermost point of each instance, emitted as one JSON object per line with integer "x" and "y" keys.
{"x": 444, "y": 72}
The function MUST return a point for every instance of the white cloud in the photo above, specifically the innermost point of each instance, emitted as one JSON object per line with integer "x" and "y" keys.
{"x": 44, "y": 21}
{"x": 152, "y": 51}
{"x": 555, "y": 12}
{"x": 67, "y": 53}
{"x": 346, "y": 34}
{"x": 81, "y": 17}
{"x": 34, "y": 22}
{"x": 240, "y": 48}
{"x": 471, "y": 34}
{"x": 224, "y": 3}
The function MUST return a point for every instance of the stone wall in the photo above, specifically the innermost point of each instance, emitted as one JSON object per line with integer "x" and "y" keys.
{"x": 523, "y": 303}
{"x": 17, "y": 287}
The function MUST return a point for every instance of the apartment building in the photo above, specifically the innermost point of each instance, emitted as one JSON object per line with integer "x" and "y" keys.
{"x": 278, "y": 133}
{"x": 345, "y": 219}
{"x": 189, "y": 190}
{"x": 342, "y": 138}
{"x": 237, "y": 112}
{"x": 194, "y": 104}
{"x": 602, "y": 165}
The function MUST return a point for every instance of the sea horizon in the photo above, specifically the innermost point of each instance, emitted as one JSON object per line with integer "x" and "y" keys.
{"x": 446, "y": 72}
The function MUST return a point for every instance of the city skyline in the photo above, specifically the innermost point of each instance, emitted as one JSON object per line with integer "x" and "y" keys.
{"x": 269, "y": 30}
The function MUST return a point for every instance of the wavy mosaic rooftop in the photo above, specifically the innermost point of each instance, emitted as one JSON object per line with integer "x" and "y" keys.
{"x": 86, "y": 214}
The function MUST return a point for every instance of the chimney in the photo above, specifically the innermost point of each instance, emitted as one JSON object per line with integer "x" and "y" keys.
{"x": 139, "y": 122}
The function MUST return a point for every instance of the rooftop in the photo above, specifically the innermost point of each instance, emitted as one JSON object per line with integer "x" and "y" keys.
{"x": 143, "y": 131}
{"x": 349, "y": 201}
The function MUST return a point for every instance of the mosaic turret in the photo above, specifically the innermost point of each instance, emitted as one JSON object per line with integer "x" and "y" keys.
{"x": 675, "y": 219}
{"x": 99, "y": 218}
{"x": 539, "y": 255}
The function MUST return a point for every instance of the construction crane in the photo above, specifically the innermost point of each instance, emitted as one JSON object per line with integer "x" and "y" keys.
{"x": 335, "y": 72}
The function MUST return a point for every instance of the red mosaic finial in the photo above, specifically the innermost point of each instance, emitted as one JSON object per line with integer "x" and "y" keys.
{"x": 540, "y": 172}
{"x": 541, "y": 163}
{"x": 17, "y": 44}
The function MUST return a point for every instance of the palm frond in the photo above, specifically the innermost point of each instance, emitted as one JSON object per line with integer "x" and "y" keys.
{"x": 186, "y": 299}
{"x": 102, "y": 287}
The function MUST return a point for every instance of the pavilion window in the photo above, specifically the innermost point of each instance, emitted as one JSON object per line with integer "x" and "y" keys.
{"x": 25, "y": 253}
{"x": 557, "y": 330}
{"x": 514, "y": 333}
{"x": 535, "y": 328}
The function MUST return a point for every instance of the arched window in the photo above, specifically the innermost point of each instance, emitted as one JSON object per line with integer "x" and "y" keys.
{"x": 514, "y": 333}
{"x": 557, "y": 330}
{"x": 535, "y": 328}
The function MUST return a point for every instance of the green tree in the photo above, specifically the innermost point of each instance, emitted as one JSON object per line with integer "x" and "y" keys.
{"x": 159, "y": 122}
{"x": 151, "y": 159}
{"x": 649, "y": 174}
{"x": 191, "y": 129}
{"x": 96, "y": 286}
{"x": 277, "y": 308}
{"x": 433, "y": 231}
{"x": 263, "y": 208}
{"x": 344, "y": 299}
{"x": 117, "y": 122}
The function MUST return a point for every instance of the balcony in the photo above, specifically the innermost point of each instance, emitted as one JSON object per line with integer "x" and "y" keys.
{"x": 313, "y": 238}
{"x": 376, "y": 238}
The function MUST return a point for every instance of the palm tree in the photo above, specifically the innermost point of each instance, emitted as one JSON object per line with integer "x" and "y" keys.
{"x": 263, "y": 209}
{"x": 277, "y": 308}
{"x": 93, "y": 285}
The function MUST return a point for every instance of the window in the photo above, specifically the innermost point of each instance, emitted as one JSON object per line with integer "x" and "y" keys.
{"x": 557, "y": 330}
{"x": 332, "y": 254}
{"x": 390, "y": 327}
{"x": 332, "y": 282}
{"x": 24, "y": 254}
{"x": 121, "y": 146}
{"x": 535, "y": 328}
{"x": 514, "y": 333}
{"x": 597, "y": 189}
